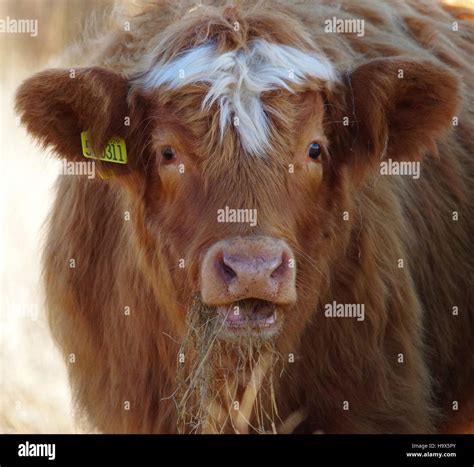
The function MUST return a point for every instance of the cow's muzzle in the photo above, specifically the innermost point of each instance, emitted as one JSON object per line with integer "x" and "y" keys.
{"x": 249, "y": 279}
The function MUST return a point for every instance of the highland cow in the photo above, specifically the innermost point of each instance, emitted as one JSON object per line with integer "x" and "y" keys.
{"x": 253, "y": 260}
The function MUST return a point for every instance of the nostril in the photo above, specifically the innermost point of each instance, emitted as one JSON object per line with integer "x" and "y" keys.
{"x": 278, "y": 271}
{"x": 281, "y": 269}
{"x": 227, "y": 272}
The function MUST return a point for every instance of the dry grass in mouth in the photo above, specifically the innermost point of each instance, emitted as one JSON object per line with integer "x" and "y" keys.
{"x": 225, "y": 387}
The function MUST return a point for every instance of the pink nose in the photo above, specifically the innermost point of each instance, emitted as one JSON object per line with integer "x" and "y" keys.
{"x": 248, "y": 267}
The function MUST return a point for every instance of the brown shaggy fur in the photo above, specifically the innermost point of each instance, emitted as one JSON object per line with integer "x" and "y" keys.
{"x": 134, "y": 263}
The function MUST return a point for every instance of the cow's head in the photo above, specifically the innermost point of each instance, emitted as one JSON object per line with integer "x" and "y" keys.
{"x": 243, "y": 160}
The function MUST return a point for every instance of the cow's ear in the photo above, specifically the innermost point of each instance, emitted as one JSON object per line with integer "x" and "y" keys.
{"x": 393, "y": 108}
{"x": 57, "y": 105}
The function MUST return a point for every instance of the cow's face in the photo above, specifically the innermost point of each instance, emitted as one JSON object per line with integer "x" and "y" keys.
{"x": 244, "y": 228}
{"x": 235, "y": 191}
{"x": 242, "y": 165}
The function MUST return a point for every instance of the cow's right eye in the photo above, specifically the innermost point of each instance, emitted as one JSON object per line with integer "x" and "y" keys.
{"x": 314, "y": 151}
{"x": 168, "y": 154}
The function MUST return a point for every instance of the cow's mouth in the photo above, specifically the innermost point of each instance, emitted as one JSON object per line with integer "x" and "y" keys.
{"x": 250, "y": 317}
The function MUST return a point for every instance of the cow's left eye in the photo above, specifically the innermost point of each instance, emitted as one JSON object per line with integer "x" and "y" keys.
{"x": 314, "y": 151}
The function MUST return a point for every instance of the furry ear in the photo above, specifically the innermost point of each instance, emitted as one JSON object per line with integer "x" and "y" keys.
{"x": 396, "y": 108}
{"x": 57, "y": 105}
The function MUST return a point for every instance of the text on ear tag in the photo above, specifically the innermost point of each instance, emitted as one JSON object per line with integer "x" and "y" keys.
{"x": 115, "y": 150}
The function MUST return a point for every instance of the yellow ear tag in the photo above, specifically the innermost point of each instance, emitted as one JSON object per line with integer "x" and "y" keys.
{"x": 115, "y": 150}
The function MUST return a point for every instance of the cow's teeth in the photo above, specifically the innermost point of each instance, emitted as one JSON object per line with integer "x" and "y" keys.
{"x": 271, "y": 319}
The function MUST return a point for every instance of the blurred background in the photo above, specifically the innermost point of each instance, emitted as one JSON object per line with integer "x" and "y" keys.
{"x": 34, "y": 392}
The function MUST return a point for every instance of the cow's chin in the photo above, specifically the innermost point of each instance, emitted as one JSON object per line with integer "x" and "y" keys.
{"x": 223, "y": 352}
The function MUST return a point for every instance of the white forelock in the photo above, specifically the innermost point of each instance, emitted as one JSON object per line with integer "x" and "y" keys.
{"x": 237, "y": 79}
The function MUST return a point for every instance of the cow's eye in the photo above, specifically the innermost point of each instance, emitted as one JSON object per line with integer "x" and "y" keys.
{"x": 314, "y": 151}
{"x": 168, "y": 154}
